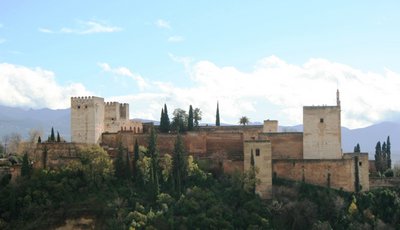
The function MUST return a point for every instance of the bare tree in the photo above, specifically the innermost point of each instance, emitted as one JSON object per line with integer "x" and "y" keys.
{"x": 14, "y": 143}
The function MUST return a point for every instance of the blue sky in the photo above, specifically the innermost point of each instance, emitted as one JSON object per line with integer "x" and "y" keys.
{"x": 261, "y": 59}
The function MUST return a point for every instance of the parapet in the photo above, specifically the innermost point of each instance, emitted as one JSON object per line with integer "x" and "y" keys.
{"x": 85, "y": 99}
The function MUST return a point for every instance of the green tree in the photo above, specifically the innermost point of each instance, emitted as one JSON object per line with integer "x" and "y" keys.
{"x": 39, "y": 140}
{"x": 190, "y": 118}
{"x": 244, "y": 121}
{"x": 58, "y": 137}
{"x": 119, "y": 162}
{"x": 153, "y": 154}
{"x": 388, "y": 153}
{"x": 197, "y": 117}
{"x": 384, "y": 157}
{"x": 357, "y": 148}
{"x": 52, "y": 136}
{"x": 217, "y": 121}
{"x": 135, "y": 161}
{"x": 164, "y": 120}
{"x": 179, "y": 165}
{"x": 252, "y": 174}
{"x": 26, "y": 168}
{"x": 378, "y": 157}
{"x": 128, "y": 168}
{"x": 180, "y": 120}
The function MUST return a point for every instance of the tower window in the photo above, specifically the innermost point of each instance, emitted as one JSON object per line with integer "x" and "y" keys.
{"x": 85, "y": 106}
{"x": 79, "y": 106}
{"x": 321, "y": 120}
{"x": 257, "y": 152}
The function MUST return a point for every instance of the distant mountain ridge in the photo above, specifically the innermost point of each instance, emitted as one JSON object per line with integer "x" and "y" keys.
{"x": 20, "y": 121}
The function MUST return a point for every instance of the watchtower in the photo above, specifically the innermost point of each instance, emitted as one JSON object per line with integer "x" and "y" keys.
{"x": 87, "y": 119}
{"x": 322, "y": 131}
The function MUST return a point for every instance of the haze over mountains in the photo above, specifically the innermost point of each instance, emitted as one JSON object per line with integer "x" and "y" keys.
{"x": 17, "y": 120}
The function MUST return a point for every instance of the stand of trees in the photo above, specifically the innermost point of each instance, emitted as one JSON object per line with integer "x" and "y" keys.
{"x": 383, "y": 161}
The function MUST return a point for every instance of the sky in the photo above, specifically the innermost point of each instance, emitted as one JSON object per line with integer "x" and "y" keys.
{"x": 260, "y": 59}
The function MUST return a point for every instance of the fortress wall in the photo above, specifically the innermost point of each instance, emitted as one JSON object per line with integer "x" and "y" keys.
{"x": 112, "y": 111}
{"x": 199, "y": 144}
{"x": 285, "y": 145}
{"x": 317, "y": 172}
{"x": 58, "y": 154}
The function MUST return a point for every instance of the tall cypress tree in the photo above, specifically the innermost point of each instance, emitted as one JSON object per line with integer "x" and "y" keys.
{"x": 162, "y": 120}
{"x": 384, "y": 158}
{"x": 388, "y": 153}
{"x": 378, "y": 157}
{"x": 154, "y": 171}
{"x": 190, "y": 119}
{"x": 135, "y": 161}
{"x": 39, "y": 140}
{"x": 252, "y": 174}
{"x": 52, "y": 136}
{"x": 58, "y": 137}
{"x": 26, "y": 168}
{"x": 119, "y": 162}
{"x": 217, "y": 122}
{"x": 179, "y": 165}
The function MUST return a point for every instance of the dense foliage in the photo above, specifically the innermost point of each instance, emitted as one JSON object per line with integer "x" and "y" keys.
{"x": 383, "y": 161}
{"x": 187, "y": 198}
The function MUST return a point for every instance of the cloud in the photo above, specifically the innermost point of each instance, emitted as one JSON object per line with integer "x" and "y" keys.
{"x": 176, "y": 39}
{"x": 275, "y": 89}
{"x": 163, "y": 24}
{"x": 35, "y": 88}
{"x": 123, "y": 71}
{"x": 45, "y": 30}
{"x": 85, "y": 27}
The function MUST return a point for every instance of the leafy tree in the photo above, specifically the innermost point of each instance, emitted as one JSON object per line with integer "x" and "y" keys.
{"x": 190, "y": 119}
{"x": 244, "y": 121}
{"x": 388, "y": 153}
{"x": 180, "y": 120}
{"x": 217, "y": 120}
{"x": 196, "y": 117}
{"x": 357, "y": 148}
{"x": 128, "y": 168}
{"x": 179, "y": 165}
{"x": 52, "y": 136}
{"x": 58, "y": 137}
{"x": 26, "y": 168}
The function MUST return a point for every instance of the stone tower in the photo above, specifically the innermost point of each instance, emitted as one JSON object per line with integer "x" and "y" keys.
{"x": 87, "y": 119}
{"x": 322, "y": 131}
{"x": 262, "y": 153}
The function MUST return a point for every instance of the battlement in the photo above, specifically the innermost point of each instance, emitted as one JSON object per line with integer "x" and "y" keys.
{"x": 111, "y": 103}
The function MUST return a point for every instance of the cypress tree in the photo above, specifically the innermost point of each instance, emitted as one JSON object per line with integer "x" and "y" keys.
{"x": 162, "y": 119}
{"x": 357, "y": 148}
{"x": 52, "y": 136}
{"x": 190, "y": 119}
{"x": 167, "y": 123}
{"x": 26, "y": 166}
{"x": 128, "y": 169}
{"x": 388, "y": 153}
{"x": 252, "y": 174}
{"x": 378, "y": 157}
{"x": 135, "y": 160}
{"x": 217, "y": 122}
{"x": 119, "y": 162}
{"x": 39, "y": 140}
{"x": 58, "y": 137}
{"x": 384, "y": 158}
{"x": 179, "y": 165}
{"x": 152, "y": 151}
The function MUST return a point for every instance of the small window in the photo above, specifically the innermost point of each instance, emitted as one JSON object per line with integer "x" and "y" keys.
{"x": 257, "y": 152}
{"x": 321, "y": 120}
{"x": 360, "y": 163}
{"x": 79, "y": 106}
{"x": 85, "y": 106}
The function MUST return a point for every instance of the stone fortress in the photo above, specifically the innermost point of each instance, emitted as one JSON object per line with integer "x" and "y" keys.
{"x": 91, "y": 116}
{"x": 314, "y": 156}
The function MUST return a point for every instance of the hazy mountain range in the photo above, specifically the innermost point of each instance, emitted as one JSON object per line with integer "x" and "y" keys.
{"x": 17, "y": 120}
